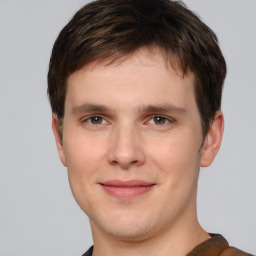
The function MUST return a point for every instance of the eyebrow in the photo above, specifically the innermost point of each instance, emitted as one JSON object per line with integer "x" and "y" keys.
{"x": 159, "y": 108}
{"x": 88, "y": 107}
{"x": 162, "y": 108}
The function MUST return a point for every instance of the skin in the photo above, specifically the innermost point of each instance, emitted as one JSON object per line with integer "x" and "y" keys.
{"x": 136, "y": 120}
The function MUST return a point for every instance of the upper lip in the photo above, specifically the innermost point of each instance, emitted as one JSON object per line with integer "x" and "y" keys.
{"x": 128, "y": 183}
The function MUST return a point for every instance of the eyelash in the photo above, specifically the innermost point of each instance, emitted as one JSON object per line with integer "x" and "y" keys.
{"x": 167, "y": 120}
{"x": 89, "y": 120}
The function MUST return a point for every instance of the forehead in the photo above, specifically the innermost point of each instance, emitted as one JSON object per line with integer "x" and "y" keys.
{"x": 146, "y": 55}
{"x": 144, "y": 77}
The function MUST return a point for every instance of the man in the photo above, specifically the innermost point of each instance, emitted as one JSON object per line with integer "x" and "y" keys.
{"x": 135, "y": 89}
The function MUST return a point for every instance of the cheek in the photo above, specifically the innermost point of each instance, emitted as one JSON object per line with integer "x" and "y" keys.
{"x": 177, "y": 158}
{"x": 83, "y": 154}
{"x": 84, "y": 158}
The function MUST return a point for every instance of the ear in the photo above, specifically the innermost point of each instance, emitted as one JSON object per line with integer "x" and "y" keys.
{"x": 212, "y": 140}
{"x": 58, "y": 139}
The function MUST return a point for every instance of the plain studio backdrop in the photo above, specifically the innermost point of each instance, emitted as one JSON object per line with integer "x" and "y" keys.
{"x": 38, "y": 215}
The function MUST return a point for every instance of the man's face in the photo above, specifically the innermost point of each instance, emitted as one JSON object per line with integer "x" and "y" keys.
{"x": 132, "y": 142}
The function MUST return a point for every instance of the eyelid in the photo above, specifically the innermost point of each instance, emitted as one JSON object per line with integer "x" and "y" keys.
{"x": 149, "y": 118}
{"x": 86, "y": 118}
{"x": 168, "y": 118}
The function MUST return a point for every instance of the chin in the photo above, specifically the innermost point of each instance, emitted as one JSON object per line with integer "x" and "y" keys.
{"x": 138, "y": 233}
{"x": 127, "y": 228}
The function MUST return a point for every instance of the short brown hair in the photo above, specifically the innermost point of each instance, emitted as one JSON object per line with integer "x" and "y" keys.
{"x": 111, "y": 29}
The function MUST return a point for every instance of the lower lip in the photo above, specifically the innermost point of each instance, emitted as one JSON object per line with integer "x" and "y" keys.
{"x": 126, "y": 192}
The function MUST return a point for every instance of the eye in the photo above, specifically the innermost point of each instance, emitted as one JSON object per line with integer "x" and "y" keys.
{"x": 95, "y": 120}
{"x": 159, "y": 120}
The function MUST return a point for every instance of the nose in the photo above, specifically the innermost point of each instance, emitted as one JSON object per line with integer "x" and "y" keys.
{"x": 126, "y": 149}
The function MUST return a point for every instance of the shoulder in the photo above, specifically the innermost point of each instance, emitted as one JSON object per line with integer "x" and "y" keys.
{"x": 232, "y": 251}
{"x": 88, "y": 252}
{"x": 217, "y": 245}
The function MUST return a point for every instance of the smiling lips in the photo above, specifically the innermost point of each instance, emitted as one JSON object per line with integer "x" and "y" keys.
{"x": 126, "y": 189}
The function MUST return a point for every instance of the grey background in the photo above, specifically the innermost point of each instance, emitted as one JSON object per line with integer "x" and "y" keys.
{"x": 38, "y": 215}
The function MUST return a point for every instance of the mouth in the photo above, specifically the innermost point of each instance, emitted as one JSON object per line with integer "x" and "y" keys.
{"x": 126, "y": 189}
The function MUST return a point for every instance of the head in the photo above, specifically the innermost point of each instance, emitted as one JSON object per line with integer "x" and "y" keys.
{"x": 135, "y": 89}
{"x": 111, "y": 30}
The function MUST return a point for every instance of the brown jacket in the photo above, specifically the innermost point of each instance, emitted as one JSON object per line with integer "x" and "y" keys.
{"x": 217, "y": 245}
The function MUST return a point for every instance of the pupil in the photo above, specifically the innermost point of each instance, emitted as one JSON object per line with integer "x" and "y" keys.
{"x": 97, "y": 120}
{"x": 159, "y": 120}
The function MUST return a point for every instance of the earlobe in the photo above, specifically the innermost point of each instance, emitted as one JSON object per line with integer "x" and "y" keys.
{"x": 212, "y": 140}
{"x": 58, "y": 139}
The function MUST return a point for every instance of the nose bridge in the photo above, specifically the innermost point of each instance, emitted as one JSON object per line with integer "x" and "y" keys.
{"x": 125, "y": 146}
